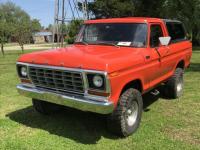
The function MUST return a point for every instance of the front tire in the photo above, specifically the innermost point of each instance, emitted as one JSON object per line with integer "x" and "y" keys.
{"x": 45, "y": 108}
{"x": 174, "y": 86}
{"x": 126, "y": 117}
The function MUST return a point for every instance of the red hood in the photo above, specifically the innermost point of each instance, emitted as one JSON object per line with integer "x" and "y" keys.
{"x": 92, "y": 57}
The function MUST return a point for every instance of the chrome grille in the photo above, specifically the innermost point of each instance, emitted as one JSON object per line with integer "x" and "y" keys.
{"x": 59, "y": 80}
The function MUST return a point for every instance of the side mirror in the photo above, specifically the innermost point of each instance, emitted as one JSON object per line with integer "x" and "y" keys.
{"x": 164, "y": 41}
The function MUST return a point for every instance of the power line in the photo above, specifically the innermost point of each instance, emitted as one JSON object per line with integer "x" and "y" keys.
{"x": 71, "y": 9}
{"x": 76, "y": 8}
{"x": 62, "y": 15}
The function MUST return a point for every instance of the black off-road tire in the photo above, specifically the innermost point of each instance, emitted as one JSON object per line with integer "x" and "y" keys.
{"x": 45, "y": 108}
{"x": 117, "y": 122}
{"x": 174, "y": 86}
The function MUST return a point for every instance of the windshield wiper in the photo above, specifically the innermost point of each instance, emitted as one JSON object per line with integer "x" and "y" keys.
{"x": 105, "y": 43}
{"x": 82, "y": 42}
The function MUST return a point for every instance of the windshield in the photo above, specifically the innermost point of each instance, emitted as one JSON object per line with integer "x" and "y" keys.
{"x": 121, "y": 34}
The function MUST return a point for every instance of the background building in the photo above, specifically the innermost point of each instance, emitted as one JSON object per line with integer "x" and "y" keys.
{"x": 43, "y": 37}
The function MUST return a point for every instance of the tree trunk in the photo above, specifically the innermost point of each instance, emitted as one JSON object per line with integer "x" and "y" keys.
{"x": 2, "y": 49}
{"x": 22, "y": 47}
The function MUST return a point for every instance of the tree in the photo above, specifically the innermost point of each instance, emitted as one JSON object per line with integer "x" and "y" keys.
{"x": 50, "y": 27}
{"x": 188, "y": 12}
{"x": 6, "y": 23}
{"x": 16, "y": 23}
{"x": 148, "y": 8}
{"x": 124, "y": 8}
{"x": 35, "y": 25}
{"x": 183, "y": 10}
{"x": 22, "y": 29}
{"x": 73, "y": 29}
{"x": 3, "y": 32}
{"x": 111, "y": 8}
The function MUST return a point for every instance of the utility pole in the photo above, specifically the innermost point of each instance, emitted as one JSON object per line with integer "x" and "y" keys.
{"x": 86, "y": 5}
{"x": 55, "y": 22}
{"x": 85, "y": 10}
{"x": 63, "y": 15}
{"x": 63, "y": 22}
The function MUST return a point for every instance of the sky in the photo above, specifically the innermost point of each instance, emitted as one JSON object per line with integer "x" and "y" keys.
{"x": 42, "y": 10}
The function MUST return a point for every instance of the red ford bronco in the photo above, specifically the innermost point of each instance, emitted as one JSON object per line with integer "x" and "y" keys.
{"x": 112, "y": 63}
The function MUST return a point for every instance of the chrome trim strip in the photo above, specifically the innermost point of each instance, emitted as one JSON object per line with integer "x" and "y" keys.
{"x": 83, "y": 71}
{"x": 74, "y": 101}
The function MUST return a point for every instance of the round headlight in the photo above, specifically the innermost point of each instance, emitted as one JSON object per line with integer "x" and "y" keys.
{"x": 24, "y": 71}
{"x": 98, "y": 81}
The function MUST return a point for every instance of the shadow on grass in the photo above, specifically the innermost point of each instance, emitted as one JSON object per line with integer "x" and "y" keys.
{"x": 194, "y": 67}
{"x": 149, "y": 99}
{"x": 196, "y": 48}
{"x": 82, "y": 127}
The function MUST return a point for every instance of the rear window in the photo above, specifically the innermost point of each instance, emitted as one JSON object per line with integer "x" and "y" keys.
{"x": 176, "y": 31}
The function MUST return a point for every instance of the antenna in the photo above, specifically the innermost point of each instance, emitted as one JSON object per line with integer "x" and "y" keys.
{"x": 66, "y": 11}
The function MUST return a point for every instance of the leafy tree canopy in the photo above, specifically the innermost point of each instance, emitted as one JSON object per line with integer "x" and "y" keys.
{"x": 112, "y": 8}
{"x": 35, "y": 25}
{"x": 7, "y": 19}
{"x": 73, "y": 28}
{"x": 16, "y": 23}
{"x": 188, "y": 11}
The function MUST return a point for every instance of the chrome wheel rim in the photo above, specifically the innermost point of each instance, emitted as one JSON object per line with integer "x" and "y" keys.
{"x": 132, "y": 114}
{"x": 179, "y": 86}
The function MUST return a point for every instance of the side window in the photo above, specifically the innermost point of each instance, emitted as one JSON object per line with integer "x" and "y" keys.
{"x": 156, "y": 32}
{"x": 176, "y": 31}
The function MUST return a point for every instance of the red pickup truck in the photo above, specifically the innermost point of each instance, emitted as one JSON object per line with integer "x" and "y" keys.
{"x": 112, "y": 63}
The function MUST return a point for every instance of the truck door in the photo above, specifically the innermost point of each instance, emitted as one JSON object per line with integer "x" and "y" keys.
{"x": 156, "y": 53}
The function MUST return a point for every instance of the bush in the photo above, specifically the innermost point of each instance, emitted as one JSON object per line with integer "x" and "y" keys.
{"x": 70, "y": 40}
{"x": 73, "y": 29}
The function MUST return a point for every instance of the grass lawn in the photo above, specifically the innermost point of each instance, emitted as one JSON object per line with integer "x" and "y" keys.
{"x": 166, "y": 124}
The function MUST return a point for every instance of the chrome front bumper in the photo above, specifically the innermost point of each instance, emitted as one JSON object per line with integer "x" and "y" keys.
{"x": 74, "y": 101}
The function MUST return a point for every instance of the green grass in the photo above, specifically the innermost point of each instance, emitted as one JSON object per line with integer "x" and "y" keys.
{"x": 166, "y": 124}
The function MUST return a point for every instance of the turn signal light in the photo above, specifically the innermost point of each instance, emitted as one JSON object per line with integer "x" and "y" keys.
{"x": 98, "y": 93}
{"x": 26, "y": 81}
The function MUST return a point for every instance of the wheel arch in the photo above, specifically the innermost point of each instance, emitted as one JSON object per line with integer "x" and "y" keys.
{"x": 181, "y": 64}
{"x": 136, "y": 83}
